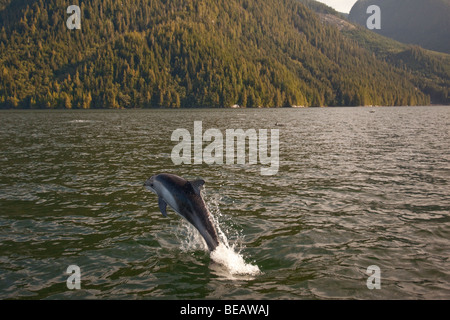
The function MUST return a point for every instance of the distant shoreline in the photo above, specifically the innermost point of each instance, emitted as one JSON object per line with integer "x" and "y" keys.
{"x": 213, "y": 108}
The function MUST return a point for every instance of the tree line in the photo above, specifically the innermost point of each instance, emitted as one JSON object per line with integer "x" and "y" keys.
{"x": 184, "y": 53}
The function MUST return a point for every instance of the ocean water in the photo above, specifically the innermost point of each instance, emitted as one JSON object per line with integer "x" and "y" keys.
{"x": 355, "y": 187}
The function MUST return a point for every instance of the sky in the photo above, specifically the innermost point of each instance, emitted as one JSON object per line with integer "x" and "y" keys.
{"x": 340, "y": 5}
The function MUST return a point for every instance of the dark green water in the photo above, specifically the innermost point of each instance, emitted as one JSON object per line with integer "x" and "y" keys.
{"x": 355, "y": 188}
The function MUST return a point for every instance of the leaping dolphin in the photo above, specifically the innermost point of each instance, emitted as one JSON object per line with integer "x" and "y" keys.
{"x": 184, "y": 197}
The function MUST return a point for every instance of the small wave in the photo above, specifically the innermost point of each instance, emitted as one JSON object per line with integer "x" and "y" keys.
{"x": 82, "y": 121}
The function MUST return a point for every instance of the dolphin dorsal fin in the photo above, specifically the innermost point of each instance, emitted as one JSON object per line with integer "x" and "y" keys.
{"x": 162, "y": 206}
{"x": 197, "y": 185}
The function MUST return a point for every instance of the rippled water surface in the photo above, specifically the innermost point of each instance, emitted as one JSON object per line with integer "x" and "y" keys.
{"x": 356, "y": 187}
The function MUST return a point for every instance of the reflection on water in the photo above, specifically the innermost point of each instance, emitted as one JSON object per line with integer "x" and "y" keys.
{"x": 354, "y": 189}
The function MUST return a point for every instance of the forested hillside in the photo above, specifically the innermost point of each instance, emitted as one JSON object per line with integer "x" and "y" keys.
{"x": 187, "y": 53}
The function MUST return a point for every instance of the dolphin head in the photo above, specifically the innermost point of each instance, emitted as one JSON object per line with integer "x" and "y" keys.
{"x": 152, "y": 184}
{"x": 160, "y": 185}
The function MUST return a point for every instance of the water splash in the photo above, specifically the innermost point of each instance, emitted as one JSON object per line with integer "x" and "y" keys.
{"x": 228, "y": 256}
{"x": 233, "y": 261}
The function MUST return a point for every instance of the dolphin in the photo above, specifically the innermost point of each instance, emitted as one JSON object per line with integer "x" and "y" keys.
{"x": 184, "y": 197}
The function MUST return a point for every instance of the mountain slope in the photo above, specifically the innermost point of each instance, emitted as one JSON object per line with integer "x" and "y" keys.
{"x": 428, "y": 70}
{"x": 184, "y": 53}
{"x": 424, "y": 23}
